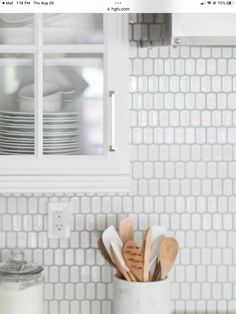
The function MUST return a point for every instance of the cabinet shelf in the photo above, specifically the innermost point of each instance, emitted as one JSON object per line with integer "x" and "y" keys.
{"x": 91, "y": 48}
{"x": 17, "y": 49}
{"x": 52, "y": 61}
{"x": 74, "y": 48}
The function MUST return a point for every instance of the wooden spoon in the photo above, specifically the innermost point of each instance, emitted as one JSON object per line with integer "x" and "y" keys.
{"x": 126, "y": 230}
{"x": 147, "y": 253}
{"x": 167, "y": 254}
{"x": 117, "y": 249}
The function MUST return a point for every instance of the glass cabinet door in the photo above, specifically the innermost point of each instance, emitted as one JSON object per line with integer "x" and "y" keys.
{"x": 75, "y": 67}
{"x": 76, "y": 126}
{"x": 69, "y": 81}
{"x": 17, "y": 101}
{"x": 16, "y": 104}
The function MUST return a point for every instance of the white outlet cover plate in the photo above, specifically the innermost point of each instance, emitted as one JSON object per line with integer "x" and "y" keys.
{"x": 58, "y": 220}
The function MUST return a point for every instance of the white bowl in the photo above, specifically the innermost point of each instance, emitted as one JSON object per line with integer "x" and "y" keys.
{"x": 50, "y": 91}
{"x": 51, "y": 98}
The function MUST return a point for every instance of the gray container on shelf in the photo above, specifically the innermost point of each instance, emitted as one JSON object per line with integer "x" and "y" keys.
{"x": 21, "y": 286}
{"x": 141, "y": 297}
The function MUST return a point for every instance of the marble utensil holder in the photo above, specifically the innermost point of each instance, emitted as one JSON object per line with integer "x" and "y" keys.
{"x": 141, "y": 297}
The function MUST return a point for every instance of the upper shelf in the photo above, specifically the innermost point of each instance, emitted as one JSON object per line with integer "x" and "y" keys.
{"x": 79, "y": 48}
{"x": 90, "y": 61}
{"x": 51, "y": 29}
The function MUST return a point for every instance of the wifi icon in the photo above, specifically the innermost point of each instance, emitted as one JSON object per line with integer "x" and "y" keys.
{"x": 209, "y": 2}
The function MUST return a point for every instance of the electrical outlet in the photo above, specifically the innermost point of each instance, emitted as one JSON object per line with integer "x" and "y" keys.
{"x": 58, "y": 220}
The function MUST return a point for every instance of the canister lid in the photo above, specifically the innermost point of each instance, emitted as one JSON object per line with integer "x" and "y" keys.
{"x": 16, "y": 265}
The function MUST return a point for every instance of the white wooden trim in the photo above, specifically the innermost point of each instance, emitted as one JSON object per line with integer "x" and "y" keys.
{"x": 55, "y": 165}
{"x": 63, "y": 184}
{"x": 106, "y": 87}
{"x": 74, "y": 48}
{"x": 52, "y": 61}
{"x": 16, "y": 62}
{"x": 38, "y": 79}
{"x": 118, "y": 51}
{"x": 73, "y": 61}
{"x": 87, "y": 48}
{"x": 17, "y": 48}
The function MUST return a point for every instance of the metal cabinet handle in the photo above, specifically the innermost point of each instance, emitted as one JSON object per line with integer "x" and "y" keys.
{"x": 112, "y": 146}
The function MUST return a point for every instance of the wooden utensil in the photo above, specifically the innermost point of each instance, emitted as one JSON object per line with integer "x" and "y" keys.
{"x": 157, "y": 272}
{"x": 119, "y": 265}
{"x": 120, "y": 262}
{"x": 126, "y": 230}
{"x": 111, "y": 236}
{"x": 134, "y": 259}
{"x": 167, "y": 254}
{"x": 146, "y": 254}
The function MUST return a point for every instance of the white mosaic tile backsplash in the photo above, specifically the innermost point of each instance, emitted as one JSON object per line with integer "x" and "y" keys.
{"x": 182, "y": 152}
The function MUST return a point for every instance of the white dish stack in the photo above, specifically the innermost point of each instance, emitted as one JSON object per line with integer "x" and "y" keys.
{"x": 61, "y": 133}
{"x": 61, "y": 130}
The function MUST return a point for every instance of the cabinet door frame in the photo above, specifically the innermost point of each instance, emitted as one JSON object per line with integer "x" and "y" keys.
{"x": 82, "y": 173}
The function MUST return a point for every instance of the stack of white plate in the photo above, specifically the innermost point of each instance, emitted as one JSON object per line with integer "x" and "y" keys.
{"x": 61, "y": 133}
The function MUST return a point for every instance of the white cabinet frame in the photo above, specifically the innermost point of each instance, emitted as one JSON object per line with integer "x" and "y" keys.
{"x": 82, "y": 173}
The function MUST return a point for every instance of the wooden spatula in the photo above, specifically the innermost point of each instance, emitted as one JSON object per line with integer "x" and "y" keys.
{"x": 167, "y": 254}
{"x": 120, "y": 261}
{"x": 134, "y": 259}
{"x": 147, "y": 253}
{"x": 126, "y": 230}
{"x": 118, "y": 265}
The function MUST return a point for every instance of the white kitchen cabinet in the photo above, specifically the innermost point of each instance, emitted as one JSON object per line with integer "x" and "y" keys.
{"x": 83, "y": 145}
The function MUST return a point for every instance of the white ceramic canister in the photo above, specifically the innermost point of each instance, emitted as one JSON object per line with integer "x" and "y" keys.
{"x": 21, "y": 287}
{"x": 141, "y": 297}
